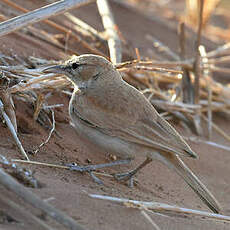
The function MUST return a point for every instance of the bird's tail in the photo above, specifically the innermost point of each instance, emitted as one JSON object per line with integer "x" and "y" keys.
{"x": 198, "y": 187}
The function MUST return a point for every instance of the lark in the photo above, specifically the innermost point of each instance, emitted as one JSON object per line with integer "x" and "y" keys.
{"x": 118, "y": 119}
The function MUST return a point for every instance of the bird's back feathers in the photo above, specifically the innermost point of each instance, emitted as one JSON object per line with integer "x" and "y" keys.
{"x": 129, "y": 116}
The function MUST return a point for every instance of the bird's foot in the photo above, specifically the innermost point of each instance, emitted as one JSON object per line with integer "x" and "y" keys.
{"x": 88, "y": 168}
{"x": 123, "y": 176}
{"x": 128, "y": 176}
{"x": 95, "y": 178}
{"x": 91, "y": 168}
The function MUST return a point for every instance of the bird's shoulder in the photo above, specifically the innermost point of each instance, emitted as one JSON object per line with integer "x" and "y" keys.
{"x": 117, "y": 103}
{"x": 125, "y": 112}
{"x": 121, "y": 98}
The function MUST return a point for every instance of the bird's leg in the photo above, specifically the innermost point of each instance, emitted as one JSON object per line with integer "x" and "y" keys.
{"x": 91, "y": 168}
{"x": 129, "y": 175}
{"x": 95, "y": 178}
{"x": 88, "y": 168}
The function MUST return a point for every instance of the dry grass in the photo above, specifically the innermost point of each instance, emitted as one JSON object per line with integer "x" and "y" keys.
{"x": 180, "y": 88}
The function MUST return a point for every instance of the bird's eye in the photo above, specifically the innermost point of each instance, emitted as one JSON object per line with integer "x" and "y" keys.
{"x": 75, "y": 65}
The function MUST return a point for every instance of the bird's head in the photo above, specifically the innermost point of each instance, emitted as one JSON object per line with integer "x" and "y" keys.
{"x": 80, "y": 69}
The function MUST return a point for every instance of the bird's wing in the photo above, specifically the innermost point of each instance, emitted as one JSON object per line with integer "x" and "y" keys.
{"x": 158, "y": 134}
{"x": 133, "y": 119}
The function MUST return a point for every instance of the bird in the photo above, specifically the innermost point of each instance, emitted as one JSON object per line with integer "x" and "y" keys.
{"x": 118, "y": 118}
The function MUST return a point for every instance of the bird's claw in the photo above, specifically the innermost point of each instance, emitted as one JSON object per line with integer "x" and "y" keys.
{"x": 87, "y": 169}
{"x": 129, "y": 177}
{"x": 95, "y": 178}
{"x": 78, "y": 168}
{"x": 122, "y": 176}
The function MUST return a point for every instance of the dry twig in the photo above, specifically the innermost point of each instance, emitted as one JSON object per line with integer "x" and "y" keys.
{"x": 155, "y": 226}
{"x": 23, "y": 175}
{"x": 217, "y": 128}
{"x": 57, "y": 27}
{"x": 38, "y": 15}
{"x": 12, "y": 130}
{"x": 50, "y": 134}
{"x": 187, "y": 88}
{"x": 83, "y": 27}
{"x": 114, "y": 42}
{"x": 161, "y": 207}
{"x": 7, "y": 100}
{"x": 211, "y": 143}
{"x": 9, "y": 183}
{"x": 163, "y": 48}
{"x": 197, "y": 69}
{"x": 11, "y": 205}
{"x": 207, "y": 76}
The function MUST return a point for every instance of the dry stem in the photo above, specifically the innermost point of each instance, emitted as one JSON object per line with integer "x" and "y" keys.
{"x": 12, "y": 130}
{"x": 38, "y": 15}
{"x": 155, "y": 226}
{"x": 197, "y": 70}
{"x": 161, "y": 207}
{"x": 114, "y": 42}
{"x": 11, "y": 184}
{"x": 49, "y": 136}
{"x": 59, "y": 28}
{"x": 26, "y": 214}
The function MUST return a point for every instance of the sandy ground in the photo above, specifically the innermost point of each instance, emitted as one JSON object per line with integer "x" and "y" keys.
{"x": 68, "y": 190}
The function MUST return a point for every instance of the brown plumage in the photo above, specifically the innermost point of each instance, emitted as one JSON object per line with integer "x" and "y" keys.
{"x": 120, "y": 120}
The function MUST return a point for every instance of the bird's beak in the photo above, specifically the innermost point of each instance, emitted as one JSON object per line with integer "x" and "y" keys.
{"x": 55, "y": 69}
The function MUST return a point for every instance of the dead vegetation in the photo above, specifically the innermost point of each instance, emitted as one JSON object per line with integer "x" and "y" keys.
{"x": 180, "y": 88}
